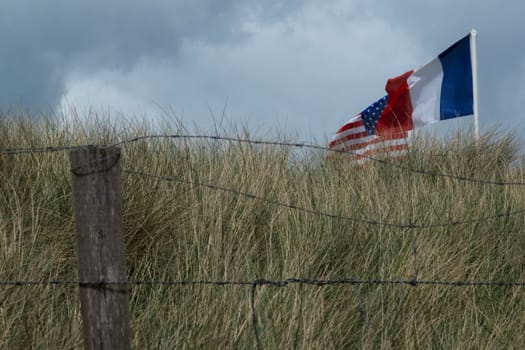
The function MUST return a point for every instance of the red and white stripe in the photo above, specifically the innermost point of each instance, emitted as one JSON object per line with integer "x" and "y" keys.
{"x": 353, "y": 138}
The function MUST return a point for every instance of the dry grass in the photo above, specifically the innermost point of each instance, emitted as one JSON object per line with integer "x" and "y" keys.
{"x": 178, "y": 231}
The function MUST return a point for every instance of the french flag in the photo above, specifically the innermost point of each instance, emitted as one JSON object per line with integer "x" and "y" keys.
{"x": 440, "y": 90}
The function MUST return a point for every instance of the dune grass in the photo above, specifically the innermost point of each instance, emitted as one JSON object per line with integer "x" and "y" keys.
{"x": 177, "y": 230}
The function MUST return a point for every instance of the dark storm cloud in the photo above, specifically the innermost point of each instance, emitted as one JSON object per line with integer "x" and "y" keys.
{"x": 42, "y": 40}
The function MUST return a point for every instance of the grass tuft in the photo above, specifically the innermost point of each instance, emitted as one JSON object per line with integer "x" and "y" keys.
{"x": 175, "y": 230}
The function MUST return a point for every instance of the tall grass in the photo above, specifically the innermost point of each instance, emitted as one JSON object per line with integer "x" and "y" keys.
{"x": 175, "y": 230}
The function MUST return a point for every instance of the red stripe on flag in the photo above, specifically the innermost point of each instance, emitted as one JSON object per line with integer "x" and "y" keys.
{"x": 389, "y": 137}
{"x": 397, "y": 115}
{"x": 356, "y": 136}
{"x": 349, "y": 126}
{"x": 389, "y": 151}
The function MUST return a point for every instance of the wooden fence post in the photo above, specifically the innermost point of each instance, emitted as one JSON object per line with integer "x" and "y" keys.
{"x": 100, "y": 242}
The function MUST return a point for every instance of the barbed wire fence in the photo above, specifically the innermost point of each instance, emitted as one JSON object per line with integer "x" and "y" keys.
{"x": 102, "y": 164}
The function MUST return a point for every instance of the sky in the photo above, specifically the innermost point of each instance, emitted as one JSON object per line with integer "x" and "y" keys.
{"x": 296, "y": 67}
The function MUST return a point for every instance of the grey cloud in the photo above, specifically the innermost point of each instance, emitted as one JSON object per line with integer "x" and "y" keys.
{"x": 42, "y": 40}
{"x": 45, "y": 42}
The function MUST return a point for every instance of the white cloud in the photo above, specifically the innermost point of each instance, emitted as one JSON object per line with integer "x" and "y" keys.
{"x": 104, "y": 90}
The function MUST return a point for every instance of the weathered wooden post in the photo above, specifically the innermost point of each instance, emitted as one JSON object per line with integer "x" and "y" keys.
{"x": 100, "y": 242}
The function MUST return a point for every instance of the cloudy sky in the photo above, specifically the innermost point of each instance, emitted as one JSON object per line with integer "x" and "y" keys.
{"x": 297, "y": 66}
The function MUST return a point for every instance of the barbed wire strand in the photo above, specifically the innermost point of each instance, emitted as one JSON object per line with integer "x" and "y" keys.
{"x": 29, "y": 150}
{"x": 321, "y": 213}
{"x": 268, "y": 282}
{"x": 326, "y": 149}
{"x": 14, "y": 151}
{"x": 278, "y": 283}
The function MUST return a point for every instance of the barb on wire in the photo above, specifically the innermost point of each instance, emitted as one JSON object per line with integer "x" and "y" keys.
{"x": 321, "y": 213}
{"x": 326, "y": 149}
{"x": 268, "y": 282}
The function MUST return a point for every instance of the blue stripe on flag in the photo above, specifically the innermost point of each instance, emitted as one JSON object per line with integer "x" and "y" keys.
{"x": 456, "y": 89}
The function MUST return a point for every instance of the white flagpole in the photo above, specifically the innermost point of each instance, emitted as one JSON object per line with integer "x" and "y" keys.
{"x": 474, "y": 61}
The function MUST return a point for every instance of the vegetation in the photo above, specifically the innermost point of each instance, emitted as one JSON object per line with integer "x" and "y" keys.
{"x": 178, "y": 230}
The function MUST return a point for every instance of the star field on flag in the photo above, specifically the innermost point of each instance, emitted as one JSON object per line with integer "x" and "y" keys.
{"x": 372, "y": 113}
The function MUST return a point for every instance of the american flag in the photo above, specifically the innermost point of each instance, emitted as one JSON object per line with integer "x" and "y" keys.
{"x": 354, "y": 139}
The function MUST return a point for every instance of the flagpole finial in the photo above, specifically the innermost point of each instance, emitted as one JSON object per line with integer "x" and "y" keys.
{"x": 473, "y": 32}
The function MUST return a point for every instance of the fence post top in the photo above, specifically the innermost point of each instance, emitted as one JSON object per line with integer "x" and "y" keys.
{"x": 92, "y": 159}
